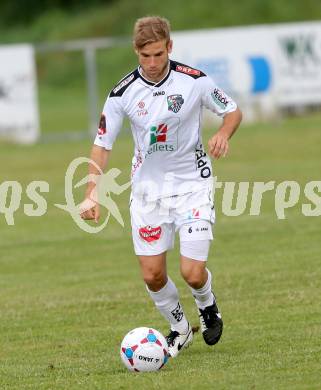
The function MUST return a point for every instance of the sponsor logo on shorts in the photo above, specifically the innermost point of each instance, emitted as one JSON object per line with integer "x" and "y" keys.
{"x": 202, "y": 229}
{"x": 102, "y": 125}
{"x": 198, "y": 229}
{"x": 175, "y": 103}
{"x": 150, "y": 234}
{"x": 193, "y": 214}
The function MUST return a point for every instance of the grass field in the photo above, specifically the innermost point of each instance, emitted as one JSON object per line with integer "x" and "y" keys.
{"x": 68, "y": 297}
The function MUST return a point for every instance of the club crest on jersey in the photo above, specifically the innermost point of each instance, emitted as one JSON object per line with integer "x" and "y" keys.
{"x": 102, "y": 125}
{"x": 150, "y": 234}
{"x": 175, "y": 103}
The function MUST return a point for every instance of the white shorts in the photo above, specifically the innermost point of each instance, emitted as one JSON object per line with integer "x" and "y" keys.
{"x": 154, "y": 223}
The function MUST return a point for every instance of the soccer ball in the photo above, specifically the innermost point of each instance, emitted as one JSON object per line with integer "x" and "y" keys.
{"x": 144, "y": 349}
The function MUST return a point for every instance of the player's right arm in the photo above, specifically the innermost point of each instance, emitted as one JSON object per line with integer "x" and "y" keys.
{"x": 109, "y": 127}
{"x": 99, "y": 157}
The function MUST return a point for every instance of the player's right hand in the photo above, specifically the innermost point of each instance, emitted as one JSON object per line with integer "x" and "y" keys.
{"x": 89, "y": 210}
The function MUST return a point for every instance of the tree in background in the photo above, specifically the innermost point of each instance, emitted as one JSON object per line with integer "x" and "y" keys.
{"x": 14, "y": 12}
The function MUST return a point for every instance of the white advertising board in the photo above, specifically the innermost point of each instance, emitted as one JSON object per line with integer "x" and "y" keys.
{"x": 240, "y": 60}
{"x": 298, "y": 65}
{"x": 232, "y": 56}
{"x": 19, "y": 119}
{"x": 264, "y": 68}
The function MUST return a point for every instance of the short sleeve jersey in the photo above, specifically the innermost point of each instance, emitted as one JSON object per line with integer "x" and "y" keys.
{"x": 165, "y": 117}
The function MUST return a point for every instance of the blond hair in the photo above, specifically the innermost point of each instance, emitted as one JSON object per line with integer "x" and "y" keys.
{"x": 150, "y": 29}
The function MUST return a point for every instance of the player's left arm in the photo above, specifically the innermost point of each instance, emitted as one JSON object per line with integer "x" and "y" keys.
{"x": 218, "y": 145}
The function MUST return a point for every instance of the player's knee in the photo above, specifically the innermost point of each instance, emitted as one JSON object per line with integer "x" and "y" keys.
{"x": 154, "y": 279}
{"x": 193, "y": 277}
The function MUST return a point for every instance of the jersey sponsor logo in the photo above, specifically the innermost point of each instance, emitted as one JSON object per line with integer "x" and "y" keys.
{"x": 175, "y": 103}
{"x": 219, "y": 98}
{"x": 142, "y": 111}
{"x": 159, "y": 93}
{"x": 138, "y": 162}
{"x": 162, "y": 137}
{"x": 187, "y": 70}
{"x": 158, "y": 139}
{"x": 150, "y": 234}
{"x": 158, "y": 133}
{"x": 161, "y": 148}
{"x": 202, "y": 162}
{"x": 123, "y": 83}
{"x": 102, "y": 125}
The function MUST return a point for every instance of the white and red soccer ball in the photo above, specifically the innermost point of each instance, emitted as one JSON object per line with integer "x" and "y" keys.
{"x": 144, "y": 349}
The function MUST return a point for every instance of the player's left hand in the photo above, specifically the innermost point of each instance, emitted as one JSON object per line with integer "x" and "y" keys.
{"x": 218, "y": 145}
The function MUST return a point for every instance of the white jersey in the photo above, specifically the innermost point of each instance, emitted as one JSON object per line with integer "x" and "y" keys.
{"x": 165, "y": 119}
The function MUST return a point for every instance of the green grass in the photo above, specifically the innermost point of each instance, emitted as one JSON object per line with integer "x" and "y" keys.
{"x": 62, "y": 88}
{"x": 67, "y": 297}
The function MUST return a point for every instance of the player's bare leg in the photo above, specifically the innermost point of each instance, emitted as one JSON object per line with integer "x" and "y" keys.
{"x": 199, "y": 278}
{"x": 165, "y": 296}
{"x": 153, "y": 269}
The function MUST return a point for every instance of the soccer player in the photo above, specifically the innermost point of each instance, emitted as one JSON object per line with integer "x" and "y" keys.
{"x": 171, "y": 173}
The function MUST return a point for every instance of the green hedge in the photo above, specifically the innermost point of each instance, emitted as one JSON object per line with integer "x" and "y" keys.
{"x": 107, "y": 18}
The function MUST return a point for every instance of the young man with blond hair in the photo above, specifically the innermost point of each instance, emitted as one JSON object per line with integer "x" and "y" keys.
{"x": 171, "y": 173}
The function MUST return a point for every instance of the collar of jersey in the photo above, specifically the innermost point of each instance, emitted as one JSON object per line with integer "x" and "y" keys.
{"x": 160, "y": 82}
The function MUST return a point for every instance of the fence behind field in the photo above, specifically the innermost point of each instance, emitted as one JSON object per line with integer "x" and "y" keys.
{"x": 267, "y": 69}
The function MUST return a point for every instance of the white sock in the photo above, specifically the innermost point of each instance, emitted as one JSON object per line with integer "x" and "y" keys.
{"x": 204, "y": 296}
{"x": 166, "y": 301}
